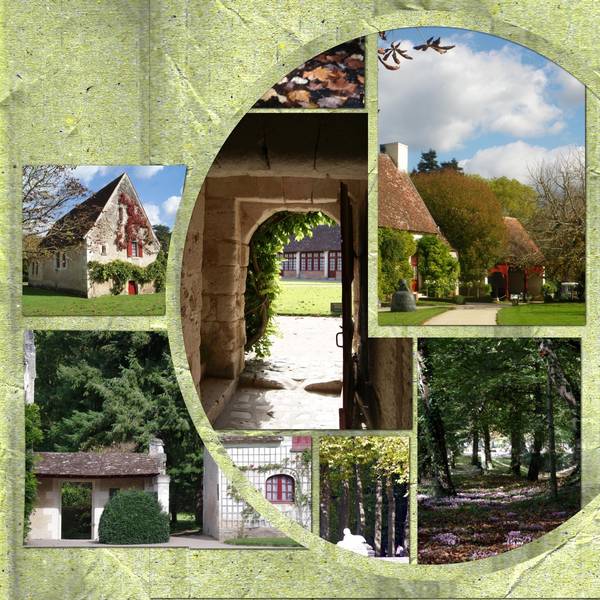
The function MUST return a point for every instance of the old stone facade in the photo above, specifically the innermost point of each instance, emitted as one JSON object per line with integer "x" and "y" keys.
{"x": 106, "y": 472}
{"x": 95, "y": 230}
{"x": 277, "y": 466}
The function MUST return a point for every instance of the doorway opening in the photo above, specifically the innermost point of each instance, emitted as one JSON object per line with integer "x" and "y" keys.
{"x": 76, "y": 511}
{"x": 132, "y": 288}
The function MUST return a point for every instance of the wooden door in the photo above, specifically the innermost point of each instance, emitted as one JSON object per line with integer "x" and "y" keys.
{"x": 347, "y": 410}
{"x": 132, "y": 288}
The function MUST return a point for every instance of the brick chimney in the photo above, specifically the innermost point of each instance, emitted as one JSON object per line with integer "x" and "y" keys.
{"x": 398, "y": 153}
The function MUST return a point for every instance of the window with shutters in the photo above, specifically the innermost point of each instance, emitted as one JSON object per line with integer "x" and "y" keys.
{"x": 134, "y": 248}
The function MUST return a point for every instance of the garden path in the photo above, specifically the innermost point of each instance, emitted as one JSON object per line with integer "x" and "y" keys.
{"x": 468, "y": 314}
{"x": 298, "y": 386}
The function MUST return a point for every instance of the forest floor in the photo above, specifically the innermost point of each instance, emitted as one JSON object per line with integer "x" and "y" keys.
{"x": 491, "y": 514}
{"x": 48, "y": 303}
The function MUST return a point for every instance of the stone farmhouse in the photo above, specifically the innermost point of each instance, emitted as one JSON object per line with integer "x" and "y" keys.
{"x": 111, "y": 224}
{"x": 316, "y": 257}
{"x": 278, "y": 466}
{"x": 401, "y": 206}
{"x": 102, "y": 474}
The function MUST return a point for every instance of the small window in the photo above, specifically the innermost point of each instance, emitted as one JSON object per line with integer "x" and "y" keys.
{"x": 103, "y": 250}
{"x": 120, "y": 213}
{"x": 64, "y": 260}
{"x": 280, "y": 488}
{"x": 57, "y": 260}
{"x": 134, "y": 248}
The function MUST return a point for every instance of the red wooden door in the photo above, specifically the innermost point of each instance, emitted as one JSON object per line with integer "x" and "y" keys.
{"x": 132, "y": 289}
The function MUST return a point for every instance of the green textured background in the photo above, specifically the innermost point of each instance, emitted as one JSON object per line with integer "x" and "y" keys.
{"x": 119, "y": 82}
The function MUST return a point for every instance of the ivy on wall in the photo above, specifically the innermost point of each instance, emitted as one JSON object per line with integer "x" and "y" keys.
{"x": 119, "y": 272}
{"x": 136, "y": 227}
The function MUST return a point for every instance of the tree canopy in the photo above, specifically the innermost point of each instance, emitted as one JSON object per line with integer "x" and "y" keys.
{"x": 468, "y": 212}
{"x": 517, "y": 199}
{"x": 437, "y": 267}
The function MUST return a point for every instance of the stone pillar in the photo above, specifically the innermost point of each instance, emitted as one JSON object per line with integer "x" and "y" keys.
{"x": 298, "y": 265}
{"x": 161, "y": 487}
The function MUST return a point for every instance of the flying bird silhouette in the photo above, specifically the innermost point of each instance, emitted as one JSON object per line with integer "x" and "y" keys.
{"x": 434, "y": 44}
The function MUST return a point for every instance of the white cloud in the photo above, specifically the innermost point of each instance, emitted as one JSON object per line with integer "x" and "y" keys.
{"x": 147, "y": 171}
{"x": 171, "y": 204}
{"x": 86, "y": 173}
{"x": 153, "y": 212}
{"x": 514, "y": 160}
{"x": 442, "y": 101}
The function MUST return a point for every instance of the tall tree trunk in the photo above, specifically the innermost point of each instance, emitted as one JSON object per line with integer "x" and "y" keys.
{"x": 435, "y": 426}
{"x": 475, "y": 448}
{"x": 391, "y": 518}
{"x": 516, "y": 438}
{"x": 173, "y": 509}
{"x": 551, "y": 440}
{"x": 535, "y": 463}
{"x": 325, "y": 504}
{"x": 378, "y": 517}
{"x": 199, "y": 502}
{"x": 359, "y": 502}
{"x": 400, "y": 492}
{"x": 343, "y": 508}
{"x": 487, "y": 447}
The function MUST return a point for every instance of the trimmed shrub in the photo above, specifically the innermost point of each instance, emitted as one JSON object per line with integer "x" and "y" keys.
{"x": 458, "y": 299}
{"x": 133, "y": 517}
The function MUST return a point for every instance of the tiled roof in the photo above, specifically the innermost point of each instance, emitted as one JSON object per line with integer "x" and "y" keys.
{"x": 232, "y": 440}
{"x": 97, "y": 464}
{"x": 400, "y": 205}
{"x": 324, "y": 237}
{"x": 72, "y": 227}
{"x": 519, "y": 245}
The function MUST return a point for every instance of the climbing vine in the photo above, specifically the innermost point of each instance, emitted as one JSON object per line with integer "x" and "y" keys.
{"x": 136, "y": 227}
{"x": 119, "y": 272}
{"x": 262, "y": 282}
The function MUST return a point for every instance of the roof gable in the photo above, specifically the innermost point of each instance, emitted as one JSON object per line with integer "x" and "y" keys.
{"x": 520, "y": 247}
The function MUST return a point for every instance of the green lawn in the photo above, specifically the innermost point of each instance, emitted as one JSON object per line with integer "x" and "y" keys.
{"x": 264, "y": 541}
{"x": 307, "y": 297}
{"x": 47, "y": 303}
{"x": 417, "y": 317}
{"x": 568, "y": 313}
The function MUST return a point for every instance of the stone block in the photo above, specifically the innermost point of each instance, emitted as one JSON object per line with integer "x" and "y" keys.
{"x": 222, "y": 279}
{"x": 228, "y": 308}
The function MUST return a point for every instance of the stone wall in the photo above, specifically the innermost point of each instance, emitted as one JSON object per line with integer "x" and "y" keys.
{"x": 71, "y": 278}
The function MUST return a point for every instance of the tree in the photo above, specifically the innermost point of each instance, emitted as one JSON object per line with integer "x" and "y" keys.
{"x": 48, "y": 192}
{"x": 262, "y": 280}
{"x": 96, "y": 390}
{"x": 428, "y": 162}
{"x": 451, "y": 164}
{"x": 163, "y": 233}
{"x": 517, "y": 199}
{"x": 395, "y": 249}
{"x": 437, "y": 267}
{"x": 469, "y": 214}
{"x": 559, "y": 224}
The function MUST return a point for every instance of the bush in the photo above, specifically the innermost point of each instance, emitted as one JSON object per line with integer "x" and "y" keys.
{"x": 438, "y": 268}
{"x": 395, "y": 249}
{"x": 133, "y": 517}
{"x": 458, "y": 299}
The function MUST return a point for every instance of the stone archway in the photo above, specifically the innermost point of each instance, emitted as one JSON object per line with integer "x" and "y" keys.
{"x": 273, "y": 162}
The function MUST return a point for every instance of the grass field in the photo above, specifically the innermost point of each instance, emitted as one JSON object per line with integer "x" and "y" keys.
{"x": 47, "y": 303}
{"x": 568, "y": 313}
{"x": 263, "y": 541}
{"x": 307, "y": 297}
{"x": 417, "y": 317}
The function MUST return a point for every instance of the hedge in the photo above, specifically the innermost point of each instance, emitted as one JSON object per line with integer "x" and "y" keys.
{"x": 133, "y": 517}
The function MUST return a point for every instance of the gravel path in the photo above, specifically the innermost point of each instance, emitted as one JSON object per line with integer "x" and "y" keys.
{"x": 469, "y": 314}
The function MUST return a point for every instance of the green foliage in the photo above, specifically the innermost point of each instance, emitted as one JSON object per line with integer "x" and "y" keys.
{"x": 99, "y": 389}
{"x": 395, "y": 249}
{"x": 517, "y": 199}
{"x": 458, "y": 299}
{"x": 33, "y": 437}
{"x": 469, "y": 214}
{"x": 437, "y": 267}
{"x": 133, "y": 517}
{"x": 73, "y": 494}
{"x": 163, "y": 233}
{"x": 549, "y": 288}
{"x": 262, "y": 280}
{"x": 428, "y": 161}
{"x": 119, "y": 272}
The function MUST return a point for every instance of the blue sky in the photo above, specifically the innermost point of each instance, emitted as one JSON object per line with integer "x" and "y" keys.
{"x": 159, "y": 187}
{"x": 497, "y": 107}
